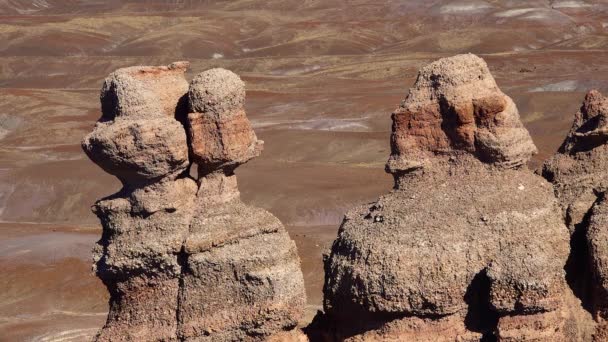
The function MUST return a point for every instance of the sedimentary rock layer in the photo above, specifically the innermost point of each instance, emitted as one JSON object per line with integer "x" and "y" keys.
{"x": 578, "y": 169}
{"x": 184, "y": 259}
{"x": 455, "y": 104}
{"x": 579, "y": 173}
{"x": 470, "y": 244}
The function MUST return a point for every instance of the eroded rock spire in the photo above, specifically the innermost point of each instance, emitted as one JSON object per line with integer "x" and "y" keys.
{"x": 470, "y": 245}
{"x": 184, "y": 259}
{"x": 139, "y": 141}
{"x": 579, "y": 173}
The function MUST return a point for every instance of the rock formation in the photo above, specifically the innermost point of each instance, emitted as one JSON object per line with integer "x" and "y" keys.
{"x": 470, "y": 245}
{"x": 184, "y": 259}
{"x": 242, "y": 278}
{"x": 579, "y": 173}
{"x": 578, "y": 170}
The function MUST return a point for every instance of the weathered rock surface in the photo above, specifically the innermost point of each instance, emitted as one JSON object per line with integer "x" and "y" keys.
{"x": 242, "y": 278}
{"x": 220, "y": 134}
{"x": 579, "y": 170}
{"x": 455, "y": 104}
{"x": 597, "y": 240}
{"x": 185, "y": 259}
{"x": 139, "y": 151}
{"x": 470, "y": 245}
{"x": 579, "y": 173}
{"x": 145, "y": 92}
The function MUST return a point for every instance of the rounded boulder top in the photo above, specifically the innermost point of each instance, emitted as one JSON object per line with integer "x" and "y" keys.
{"x": 455, "y": 106}
{"x": 469, "y": 65}
{"x": 457, "y": 77}
{"x": 142, "y": 92}
{"x": 216, "y": 91}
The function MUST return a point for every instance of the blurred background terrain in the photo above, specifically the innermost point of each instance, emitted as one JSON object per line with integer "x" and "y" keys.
{"x": 322, "y": 79}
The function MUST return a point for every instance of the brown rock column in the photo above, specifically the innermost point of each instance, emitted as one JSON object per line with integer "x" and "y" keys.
{"x": 578, "y": 169}
{"x": 144, "y": 225}
{"x": 242, "y": 278}
{"x": 185, "y": 259}
{"x": 470, "y": 244}
{"x": 579, "y": 173}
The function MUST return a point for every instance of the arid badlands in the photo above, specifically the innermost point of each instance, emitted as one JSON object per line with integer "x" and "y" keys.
{"x": 304, "y": 170}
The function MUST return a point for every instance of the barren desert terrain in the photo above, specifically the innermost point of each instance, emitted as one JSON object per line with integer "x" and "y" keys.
{"x": 322, "y": 79}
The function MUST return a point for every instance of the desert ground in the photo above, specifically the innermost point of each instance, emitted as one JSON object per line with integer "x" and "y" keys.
{"x": 323, "y": 77}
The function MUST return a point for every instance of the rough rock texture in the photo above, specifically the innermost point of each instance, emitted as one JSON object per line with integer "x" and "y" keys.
{"x": 242, "y": 279}
{"x": 139, "y": 151}
{"x": 579, "y": 170}
{"x": 185, "y": 259}
{"x": 145, "y": 92}
{"x": 597, "y": 240}
{"x": 220, "y": 134}
{"x": 463, "y": 110}
{"x": 579, "y": 173}
{"x": 470, "y": 245}
{"x": 139, "y": 141}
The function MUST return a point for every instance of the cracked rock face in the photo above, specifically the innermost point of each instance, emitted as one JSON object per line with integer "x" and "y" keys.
{"x": 184, "y": 259}
{"x": 470, "y": 244}
{"x": 579, "y": 173}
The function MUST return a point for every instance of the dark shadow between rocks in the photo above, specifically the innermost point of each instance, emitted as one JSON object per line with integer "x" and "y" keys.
{"x": 182, "y": 261}
{"x": 579, "y": 274}
{"x": 480, "y": 316}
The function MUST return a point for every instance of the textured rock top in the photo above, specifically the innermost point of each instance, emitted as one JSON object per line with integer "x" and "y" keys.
{"x": 221, "y": 136}
{"x": 216, "y": 91}
{"x": 590, "y": 127}
{"x": 139, "y": 138}
{"x": 456, "y": 106}
{"x": 145, "y": 91}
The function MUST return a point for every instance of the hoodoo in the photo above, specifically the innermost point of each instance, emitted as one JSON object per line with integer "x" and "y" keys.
{"x": 139, "y": 141}
{"x": 470, "y": 245}
{"x": 184, "y": 259}
{"x": 579, "y": 173}
{"x": 242, "y": 279}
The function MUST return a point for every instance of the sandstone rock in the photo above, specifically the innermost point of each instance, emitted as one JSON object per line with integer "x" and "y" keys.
{"x": 470, "y": 243}
{"x": 139, "y": 151}
{"x": 579, "y": 170}
{"x": 144, "y": 230}
{"x": 144, "y": 92}
{"x": 579, "y": 175}
{"x": 220, "y": 134}
{"x": 142, "y": 308}
{"x": 246, "y": 290}
{"x": 137, "y": 258}
{"x": 242, "y": 279}
{"x": 455, "y": 104}
{"x": 216, "y": 92}
{"x": 185, "y": 259}
{"x": 597, "y": 236}
{"x": 597, "y": 244}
